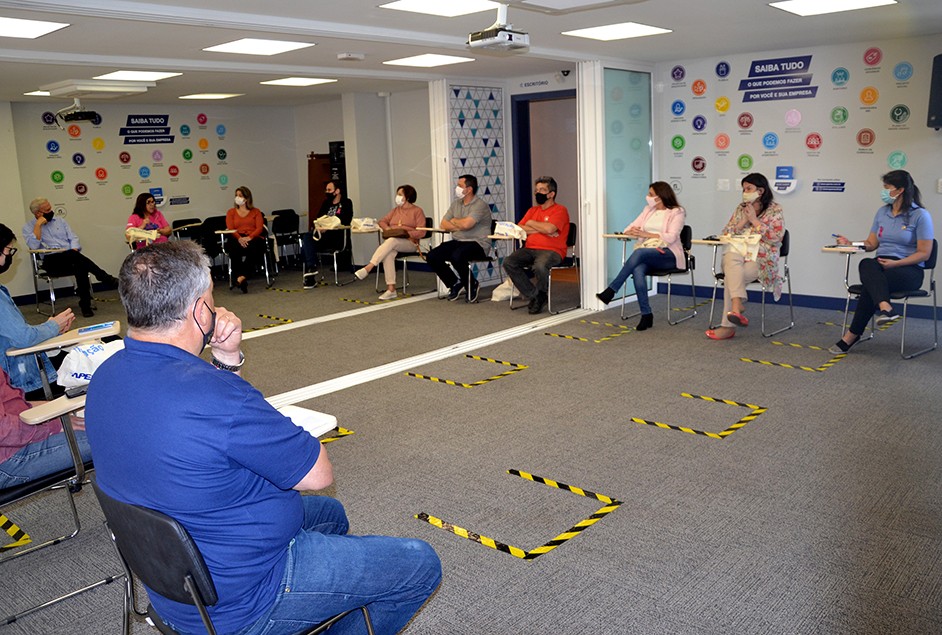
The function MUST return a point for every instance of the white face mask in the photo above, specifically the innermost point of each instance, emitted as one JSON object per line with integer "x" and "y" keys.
{"x": 651, "y": 200}
{"x": 749, "y": 197}
{"x": 400, "y": 199}
{"x": 459, "y": 191}
{"x": 239, "y": 201}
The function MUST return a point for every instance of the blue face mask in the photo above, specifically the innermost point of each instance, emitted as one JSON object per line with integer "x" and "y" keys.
{"x": 887, "y": 197}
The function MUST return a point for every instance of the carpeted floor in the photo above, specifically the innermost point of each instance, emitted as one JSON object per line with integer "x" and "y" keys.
{"x": 759, "y": 496}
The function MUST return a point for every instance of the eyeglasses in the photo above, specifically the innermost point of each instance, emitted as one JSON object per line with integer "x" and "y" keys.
{"x": 9, "y": 251}
{"x": 149, "y": 201}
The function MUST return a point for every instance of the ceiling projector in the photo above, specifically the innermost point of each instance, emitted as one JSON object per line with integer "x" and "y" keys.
{"x": 500, "y": 36}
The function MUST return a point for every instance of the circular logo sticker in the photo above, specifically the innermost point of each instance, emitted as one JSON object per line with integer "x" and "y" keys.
{"x": 869, "y": 96}
{"x": 96, "y": 120}
{"x": 678, "y": 73}
{"x": 98, "y": 144}
{"x": 872, "y": 56}
{"x": 678, "y": 107}
{"x": 699, "y": 87}
{"x": 745, "y": 120}
{"x": 840, "y": 76}
{"x": 618, "y": 165}
{"x": 173, "y": 170}
{"x": 157, "y": 156}
{"x": 78, "y": 158}
{"x": 124, "y": 157}
{"x": 187, "y": 154}
{"x": 699, "y": 123}
{"x": 185, "y": 130}
{"x": 201, "y": 119}
{"x": 722, "y": 69}
{"x": 745, "y": 162}
{"x": 899, "y": 113}
{"x": 221, "y": 154}
{"x": 81, "y": 189}
{"x": 770, "y": 140}
{"x": 896, "y": 160}
{"x": 792, "y": 117}
{"x": 678, "y": 143}
{"x": 636, "y": 144}
{"x": 101, "y": 174}
{"x": 634, "y": 111}
{"x": 203, "y": 144}
{"x": 221, "y": 130}
{"x": 865, "y": 138}
{"x": 698, "y": 164}
{"x": 52, "y": 146}
{"x": 721, "y": 141}
{"x": 144, "y": 172}
{"x": 127, "y": 190}
{"x": 903, "y": 72}
{"x": 721, "y": 104}
{"x": 223, "y": 179}
{"x": 204, "y": 168}
{"x": 813, "y": 141}
{"x": 75, "y": 131}
{"x": 57, "y": 176}
{"x": 617, "y": 128}
{"x": 617, "y": 94}
{"x": 48, "y": 118}
{"x": 839, "y": 115}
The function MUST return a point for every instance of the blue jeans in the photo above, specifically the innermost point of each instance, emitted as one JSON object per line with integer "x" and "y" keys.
{"x": 329, "y": 572}
{"x": 637, "y": 267}
{"x": 41, "y": 458}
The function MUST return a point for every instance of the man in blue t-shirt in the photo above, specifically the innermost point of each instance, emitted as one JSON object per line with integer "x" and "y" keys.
{"x": 203, "y": 446}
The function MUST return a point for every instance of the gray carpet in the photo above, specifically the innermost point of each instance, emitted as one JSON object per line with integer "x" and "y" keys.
{"x": 823, "y": 514}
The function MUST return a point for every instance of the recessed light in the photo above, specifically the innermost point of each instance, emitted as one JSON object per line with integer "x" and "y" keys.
{"x": 253, "y": 46}
{"x": 817, "y": 7}
{"x": 297, "y": 81}
{"x": 211, "y": 96}
{"x": 37, "y": 93}
{"x": 448, "y": 9}
{"x": 429, "y": 60}
{"x": 28, "y": 29}
{"x": 620, "y": 31}
{"x": 137, "y": 76}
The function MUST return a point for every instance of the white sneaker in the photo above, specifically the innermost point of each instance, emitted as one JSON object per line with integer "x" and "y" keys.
{"x": 389, "y": 295}
{"x": 361, "y": 273}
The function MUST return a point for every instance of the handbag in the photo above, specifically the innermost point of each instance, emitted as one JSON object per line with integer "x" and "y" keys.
{"x": 395, "y": 232}
{"x": 323, "y": 223}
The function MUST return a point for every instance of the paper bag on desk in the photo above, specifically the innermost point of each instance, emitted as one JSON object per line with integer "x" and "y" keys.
{"x": 316, "y": 423}
{"x": 746, "y": 245}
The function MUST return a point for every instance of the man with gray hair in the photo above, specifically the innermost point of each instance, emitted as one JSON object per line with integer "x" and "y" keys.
{"x": 192, "y": 439}
{"x": 46, "y": 231}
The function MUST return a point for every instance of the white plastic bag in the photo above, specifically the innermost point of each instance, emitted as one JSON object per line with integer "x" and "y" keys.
{"x": 83, "y": 360}
{"x": 502, "y": 291}
{"x": 363, "y": 224}
{"x": 506, "y": 228}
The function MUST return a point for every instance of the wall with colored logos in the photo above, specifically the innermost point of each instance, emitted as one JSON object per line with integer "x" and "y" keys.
{"x": 823, "y": 124}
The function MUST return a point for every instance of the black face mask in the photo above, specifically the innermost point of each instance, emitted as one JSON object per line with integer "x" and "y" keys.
{"x": 212, "y": 325}
{"x": 540, "y": 198}
{"x": 7, "y": 262}
{"x": 49, "y": 216}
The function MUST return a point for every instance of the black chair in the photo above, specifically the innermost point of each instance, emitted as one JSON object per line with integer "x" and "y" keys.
{"x": 491, "y": 257}
{"x": 343, "y": 249}
{"x": 40, "y": 275}
{"x": 783, "y": 251}
{"x": 425, "y": 245}
{"x": 163, "y": 555}
{"x": 187, "y": 228}
{"x": 855, "y": 290}
{"x": 286, "y": 230}
{"x": 690, "y": 262}
{"x": 570, "y": 262}
{"x": 213, "y": 243}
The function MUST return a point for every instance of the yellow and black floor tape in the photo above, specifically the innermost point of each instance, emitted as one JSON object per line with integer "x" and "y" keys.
{"x": 610, "y": 505}
{"x": 622, "y": 330}
{"x": 278, "y": 321}
{"x": 401, "y": 296}
{"x": 19, "y": 536}
{"x": 755, "y": 412}
{"x": 811, "y": 369}
{"x": 690, "y": 308}
{"x": 515, "y": 368}
{"x": 338, "y": 434}
{"x": 319, "y": 284}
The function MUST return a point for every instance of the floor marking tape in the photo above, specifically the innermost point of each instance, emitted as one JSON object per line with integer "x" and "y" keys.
{"x": 820, "y": 369}
{"x": 279, "y": 321}
{"x": 294, "y": 290}
{"x": 814, "y": 348}
{"x": 611, "y": 505}
{"x": 622, "y": 331}
{"x": 516, "y": 369}
{"x": 19, "y": 536}
{"x": 340, "y": 433}
{"x": 755, "y": 412}
{"x": 690, "y": 308}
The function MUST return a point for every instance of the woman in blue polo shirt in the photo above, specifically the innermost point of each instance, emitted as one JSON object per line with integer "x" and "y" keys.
{"x": 902, "y": 236}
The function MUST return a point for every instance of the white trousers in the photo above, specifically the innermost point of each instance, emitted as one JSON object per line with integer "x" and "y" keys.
{"x": 386, "y": 254}
{"x": 738, "y": 273}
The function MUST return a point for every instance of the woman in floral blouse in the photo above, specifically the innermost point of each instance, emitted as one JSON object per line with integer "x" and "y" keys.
{"x": 743, "y": 263}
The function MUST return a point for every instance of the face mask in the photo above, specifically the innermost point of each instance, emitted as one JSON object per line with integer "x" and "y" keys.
{"x": 49, "y": 216}
{"x": 7, "y": 263}
{"x": 540, "y": 198}
{"x": 400, "y": 199}
{"x": 651, "y": 200}
{"x": 239, "y": 201}
{"x": 330, "y": 194}
{"x": 888, "y": 198}
{"x": 749, "y": 197}
{"x": 212, "y": 325}
{"x": 459, "y": 191}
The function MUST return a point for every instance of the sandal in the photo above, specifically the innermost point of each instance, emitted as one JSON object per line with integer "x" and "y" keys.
{"x": 737, "y": 318}
{"x": 711, "y": 333}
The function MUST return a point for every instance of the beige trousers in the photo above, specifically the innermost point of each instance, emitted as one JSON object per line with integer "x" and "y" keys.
{"x": 386, "y": 254}
{"x": 738, "y": 273}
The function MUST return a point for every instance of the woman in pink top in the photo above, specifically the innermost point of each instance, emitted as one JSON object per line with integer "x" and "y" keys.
{"x": 147, "y": 216}
{"x": 402, "y": 220}
{"x": 246, "y": 246}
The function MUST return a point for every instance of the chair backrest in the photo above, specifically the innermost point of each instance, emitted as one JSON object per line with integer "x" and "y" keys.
{"x": 686, "y": 238}
{"x": 214, "y": 223}
{"x": 930, "y": 263}
{"x": 158, "y": 549}
{"x": 279, "y": 212}
{"x": 571, "y": 238}
{"x": 786, "y": 242}
{"x": 286, "y": 222}
{"x": 180, "y": 222}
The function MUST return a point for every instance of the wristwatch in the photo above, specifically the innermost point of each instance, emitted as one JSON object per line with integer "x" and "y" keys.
{"x": 232, "y": 369}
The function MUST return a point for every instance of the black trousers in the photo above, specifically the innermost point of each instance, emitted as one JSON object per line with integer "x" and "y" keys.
{"x": 244, "y": 259}
{"x": 74, "y": 263}
{"x": 878, "y": 283}
{"x": 459, "y": 253}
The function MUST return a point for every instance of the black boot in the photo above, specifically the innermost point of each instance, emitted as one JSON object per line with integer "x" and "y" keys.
{"x": 647, "y": 321}
{"x": 606, "y": 296}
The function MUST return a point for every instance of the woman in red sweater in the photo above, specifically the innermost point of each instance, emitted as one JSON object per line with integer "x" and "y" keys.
{"x": 247, "y": 245}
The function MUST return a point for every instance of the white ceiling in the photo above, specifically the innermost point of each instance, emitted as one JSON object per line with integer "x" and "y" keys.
{"x": 169, "y": 35}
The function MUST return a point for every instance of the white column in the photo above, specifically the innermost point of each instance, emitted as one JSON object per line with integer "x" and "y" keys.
{"x": 590, "y": 118}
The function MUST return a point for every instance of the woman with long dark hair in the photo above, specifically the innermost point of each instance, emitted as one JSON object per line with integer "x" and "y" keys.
{"x": 147, "y": 216}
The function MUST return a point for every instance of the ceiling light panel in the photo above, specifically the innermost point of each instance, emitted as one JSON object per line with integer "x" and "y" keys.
{"x": 297, "y": 81}
{"x": 621, "y": 31}
{"x": 805, "y": 8}
{"x": 28, "y": 29}
{"x": 254, "y": 46}
{"x": 429, "y": 60}
{"x": 211, "y": 96}
{"x": 137, "y": 76}
{"x": 447, "y": 9}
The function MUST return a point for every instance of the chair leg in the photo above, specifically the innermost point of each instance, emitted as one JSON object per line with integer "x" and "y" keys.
{"x": 935, "y": 330}
{"x": 670, "y": 309}
{"x": 791, "y": 312}
{"x": 713, "y": 325}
